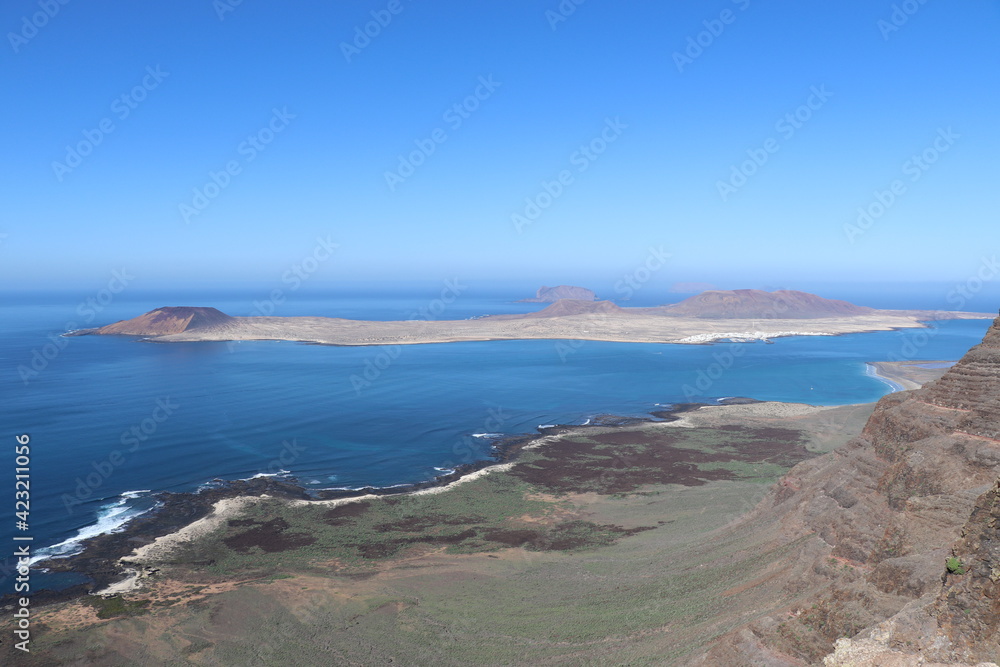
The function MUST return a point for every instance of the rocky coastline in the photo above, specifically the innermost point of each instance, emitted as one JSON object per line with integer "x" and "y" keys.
{"x": 101, "y": 557}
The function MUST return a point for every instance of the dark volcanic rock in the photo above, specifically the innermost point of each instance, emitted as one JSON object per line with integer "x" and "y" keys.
{"x": 968, "y": 608}
{"x": 99, "y": 559}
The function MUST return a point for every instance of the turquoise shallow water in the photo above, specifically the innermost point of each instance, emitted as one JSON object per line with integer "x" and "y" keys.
{"x": 113, "y": 420}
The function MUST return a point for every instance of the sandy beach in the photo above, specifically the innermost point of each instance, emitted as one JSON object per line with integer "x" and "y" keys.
{"x": 906, "y": 375}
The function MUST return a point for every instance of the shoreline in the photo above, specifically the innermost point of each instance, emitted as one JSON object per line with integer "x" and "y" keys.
{"x": 872, "y": 371}
{"x": 642, "y": 326}
{"x": 906, "y": 375}
{"x": 146, "y": 558}
{"x": 115, "y": 564}
{"x": 640, "y": 503}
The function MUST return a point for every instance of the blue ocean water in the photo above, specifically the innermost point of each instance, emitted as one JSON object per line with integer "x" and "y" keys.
{"x": 113, "y": 420}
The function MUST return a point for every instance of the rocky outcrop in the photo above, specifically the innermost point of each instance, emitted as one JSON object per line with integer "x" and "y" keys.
{"x": 758, "y": 304}
{"x": 167, "y": 320}
{"x": 961, "y": 625}
{"x": 898, "y": 552}
{"x": 968, "y": 608}
{"x": 553, "y": 294}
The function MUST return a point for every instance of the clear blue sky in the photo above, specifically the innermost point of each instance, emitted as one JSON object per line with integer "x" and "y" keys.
{"x": 559, "y": 85}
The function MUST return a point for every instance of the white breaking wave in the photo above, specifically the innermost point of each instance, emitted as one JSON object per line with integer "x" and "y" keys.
{"x": 111, "y": 518}
{"x": 487, "y": 435}
{"x": 280, "y": 473}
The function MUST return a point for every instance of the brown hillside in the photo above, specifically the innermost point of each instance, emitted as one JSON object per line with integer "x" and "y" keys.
{"x": 758, "y": 304}
{"x": 168, "y": 320}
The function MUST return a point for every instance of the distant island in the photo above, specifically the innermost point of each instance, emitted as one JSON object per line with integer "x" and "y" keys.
{"x": 737, "y": 533}
{"x": 553, "y": 294}
{"x": 691, "y": 288}
{"x": 739, "y": 315}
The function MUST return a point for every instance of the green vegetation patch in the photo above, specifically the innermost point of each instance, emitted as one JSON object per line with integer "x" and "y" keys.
{"x": 521, "y": 508}
{"x": 955, "y": 566}
{"x": 493, "y": 512}
{"x": 115, "y": 605}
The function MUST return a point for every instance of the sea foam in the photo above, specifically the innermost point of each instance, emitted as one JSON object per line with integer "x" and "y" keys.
{"x": 111, "y": 518}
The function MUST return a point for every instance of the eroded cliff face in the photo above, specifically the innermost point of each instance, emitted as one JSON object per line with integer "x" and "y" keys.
{"x": 968, "y": 607}
{"x": 878, "y": 520}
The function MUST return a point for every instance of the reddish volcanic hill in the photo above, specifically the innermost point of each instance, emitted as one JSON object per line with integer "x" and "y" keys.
{"x": 758, "y": 304}
{"x": 168, "y": 320}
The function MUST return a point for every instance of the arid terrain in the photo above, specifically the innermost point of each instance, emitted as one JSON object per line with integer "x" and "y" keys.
{"x": 590, "y": 548}
{"x": 632, "y": 544}
{"x": 741, "y": 314}
{"x": 745, "y": 534}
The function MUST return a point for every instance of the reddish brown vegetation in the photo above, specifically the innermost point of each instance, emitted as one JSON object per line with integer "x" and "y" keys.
{"x": 623, "y": 461}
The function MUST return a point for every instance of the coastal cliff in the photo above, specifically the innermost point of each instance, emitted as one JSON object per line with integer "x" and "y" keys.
{"x": 901, "y": 553}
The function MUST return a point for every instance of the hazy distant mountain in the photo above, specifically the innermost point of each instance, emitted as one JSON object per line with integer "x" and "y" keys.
{"x": 553, "y": 294}
{"x": 757, "y": 304}
{"x": 564, "y": 307}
